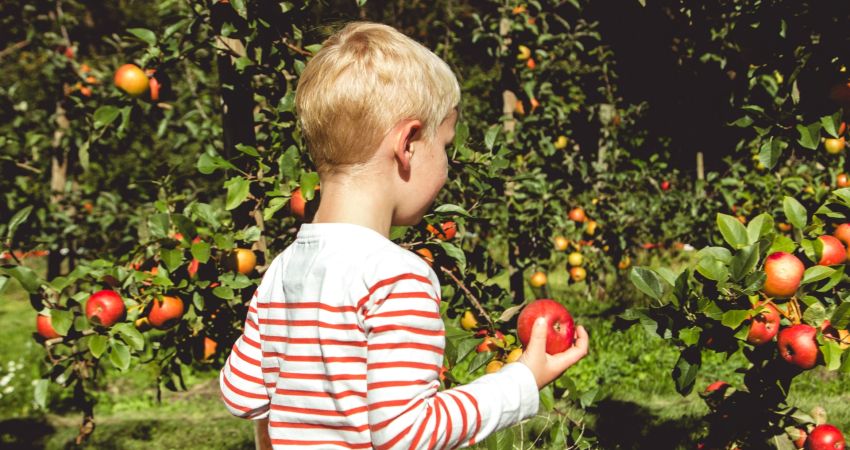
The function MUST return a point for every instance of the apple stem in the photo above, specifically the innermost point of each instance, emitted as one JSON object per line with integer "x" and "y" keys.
{"x": 470, "y": 295}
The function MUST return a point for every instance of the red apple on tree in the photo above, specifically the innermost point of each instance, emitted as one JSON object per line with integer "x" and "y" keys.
{"x": 44, "y": 327}
{"x": 825, "y": 437}
{"x": 784, "y": 273}
{"x": 765, "y": 325}
{"x": 105, "y": 308}
{"x": 798, "y": 346}
{"x": 716, "y": 386}
{"x": 166, "y": 312}
{"x": 833, "y": 251}
{"x": 842, "y": 232}
{"x": 559, "y": 323}
{"x": 665, "y": 185}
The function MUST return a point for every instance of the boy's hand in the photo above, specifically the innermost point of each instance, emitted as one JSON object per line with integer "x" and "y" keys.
{"x": 545, "y": 367}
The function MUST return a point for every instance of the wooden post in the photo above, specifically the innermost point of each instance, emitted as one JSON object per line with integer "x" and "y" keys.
{"x": 700, "y": 167}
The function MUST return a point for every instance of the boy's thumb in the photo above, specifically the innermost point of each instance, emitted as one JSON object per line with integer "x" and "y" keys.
{"x": 538, "y": 333}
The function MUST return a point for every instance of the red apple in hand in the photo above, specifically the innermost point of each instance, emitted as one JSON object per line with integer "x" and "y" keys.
{"x": 559, "y": 322}
{"x": 784, "y": 273}
{"x": 798, "y": 346}
{"x": 44, "y": 327}
{"x": 825, "y": 437}
{"x": 105, "y": 308}
{"x": 764, "y": 325}
{"x": 833, "y": 251}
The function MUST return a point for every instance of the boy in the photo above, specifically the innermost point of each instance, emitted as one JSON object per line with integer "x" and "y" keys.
{"x": 343, "y": 341}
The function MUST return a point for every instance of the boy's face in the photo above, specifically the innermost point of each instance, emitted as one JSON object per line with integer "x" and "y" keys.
{"x": 429, "y": 170}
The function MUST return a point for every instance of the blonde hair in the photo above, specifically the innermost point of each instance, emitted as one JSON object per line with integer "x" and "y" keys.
{"x": 366, "y": 78}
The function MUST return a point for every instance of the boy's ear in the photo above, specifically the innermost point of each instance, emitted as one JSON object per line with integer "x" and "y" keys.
{"x": 407, "y": 133}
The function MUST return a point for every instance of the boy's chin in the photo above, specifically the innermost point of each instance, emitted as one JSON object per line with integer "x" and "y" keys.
{"x": 407, "y": 221}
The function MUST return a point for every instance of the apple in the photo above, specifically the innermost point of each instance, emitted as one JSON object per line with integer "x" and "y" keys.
{"x": 298, "y": 205}
{"x": 578, "y": 274}
{"x": 624, "y": 263}
{"x": 577, "y": 215}
{"x": 765, "y": 325}
{"x": 426, "y": 254}
{"x": 166, "y": 312}
{"x": 842, "y": 180}
{"x": 665, "y": 185}
{"x": 718, "y": 385}
{"x": 538, "y": 279}
{"x": 531, "y": 64}
{"x": 105, "y": 308}
{"x": 590, "y": 228}
{"x": 833, "y": 251}
{"x": 131, "y": 79}
{"x": 242, "y": 260}
{"x": 575, "y": 259}
{"x": 834, "y": 146}
{"x": 154, "y": 85}
{"x": 524, "y": 53}
{"x": 842, "y": 232}
{"x": 446, "y": 232}
{"x": 797, "y": 345}
{"x": 799, "y": 436}
{"x": 210, "y": 347}
{"x": 825, "y": 437}
{"x": 784, "y": 273}
{"x": 491, "y": 343}
{"x": 561, "y": 243}
{"x": 494, "y": 366}
{"x": 44, "y": 327}
{"x": 559, "y": 324}
{"x": 561, "y": 142}
{"x": 468, "y": 321}
{"x": 784, "y": 227}
{"x": 513, "y": 355}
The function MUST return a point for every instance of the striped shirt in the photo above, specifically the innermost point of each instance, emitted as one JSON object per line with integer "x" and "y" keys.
{"x": 342, "y": 348}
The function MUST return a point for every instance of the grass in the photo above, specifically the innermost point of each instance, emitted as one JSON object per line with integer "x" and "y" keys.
{"x": 636, "y": 406}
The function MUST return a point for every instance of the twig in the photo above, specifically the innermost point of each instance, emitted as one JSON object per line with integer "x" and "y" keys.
{"x": 13, "y": 48}
{"x": 295, "y": 48}
{"x": 470, "y": 295}
{"x": 26, "y": 166}
{"x": 51, "y": 342}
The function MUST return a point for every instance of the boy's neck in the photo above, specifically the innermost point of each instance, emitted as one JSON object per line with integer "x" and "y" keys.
{"x": 359, "y": 203}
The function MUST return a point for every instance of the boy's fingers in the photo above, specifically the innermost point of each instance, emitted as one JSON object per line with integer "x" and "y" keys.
{"x": 578, "y": 351}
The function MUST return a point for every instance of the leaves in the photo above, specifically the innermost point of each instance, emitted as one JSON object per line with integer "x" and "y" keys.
{"x": 795, "y": 212}
{"x": 105, "y": 115}
{"x": 809, "y": 135}
{"x": 144, "y": 34}
{"x": 647, "y": 282}
{"x": 733, "y": 231}
{"x": 686, "y": 369}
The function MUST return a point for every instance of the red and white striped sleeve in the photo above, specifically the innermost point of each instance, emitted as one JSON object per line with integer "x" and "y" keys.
{"x": 405, "y": 342}
{"x": 241, "y": 380}
{"x": 243, "y": 389}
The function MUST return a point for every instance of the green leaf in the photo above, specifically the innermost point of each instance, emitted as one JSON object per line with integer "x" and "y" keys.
{"x": 782, "y": 243}
{"x": 734, "y": 317}
{"x": 817, "y": 273}
{"x": 130, "y": 335}
{"x": 809, "y": 135}
{"x": 39, "y": 393}
{"x": 759, "y": 226}
{"x": 223, "y": 292}
{"x": 248, "y": 150}
{"x": 771, "y": 151}
{"x": 287, "y": 102}
{"x": 466, "y": 346}
{"x": 461, "y": 133}
{"x": 201, "y": 251}
{"x": 25, "y": 276}
{"x": 795, "y": 212}
{"x": 686, "y": 369}
{"x": 491, "y": 135}
{"x": 452, "y": 209}
{"x": 454, "y": 252}
{"x": 19, "y": 218}
{"x": 144, "y": 34}
{"x": 831, "y": 354}
{"x": 841, "y": 316}
{"x": 105, "y": 115}
{"x": 119, "y": 355}
{"x": 479, "y": 361}
{"x": 712, "y": 269}
{"x": 831, "y": 124}
{"x": 172, "y": 258}
{"x": 61, "y": 320}
{"x": 721, "y": 254}
{"x": 238, "y": 189}
{"x": 815, "y": 314}
{"x": 97, "y": 345}
{"x": 647, "y": 281}
{"x": 732, "y": 230}
{"x": 744, "y": 262}
{"x": 547, "y": 397}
